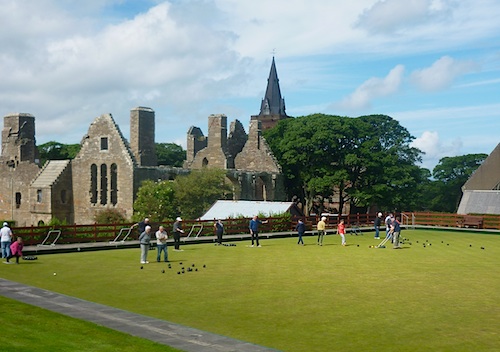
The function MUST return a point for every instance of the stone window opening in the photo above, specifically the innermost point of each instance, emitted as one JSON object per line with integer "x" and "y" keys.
{"x": 93, "y": 184}
{"x": 38, "y": 195}
{"x": 104, "y": 143}
{"x": 104, "y": 184}
{"x": 204, "y": 163}
{"x": 18, "y": 200}
{"x": 114, "y": 184}
{"x": 63, "y": 196}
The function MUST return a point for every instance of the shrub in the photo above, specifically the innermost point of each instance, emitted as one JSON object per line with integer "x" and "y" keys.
{"x": 109, "y": 216}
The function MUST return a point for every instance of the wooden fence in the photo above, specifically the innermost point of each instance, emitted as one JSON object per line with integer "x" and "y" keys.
{"x": 34, "y": 235}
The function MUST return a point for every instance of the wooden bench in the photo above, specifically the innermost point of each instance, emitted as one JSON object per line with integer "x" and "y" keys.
{"x": 472, "y": 221}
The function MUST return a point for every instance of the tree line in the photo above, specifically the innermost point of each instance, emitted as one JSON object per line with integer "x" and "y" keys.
{"x": 368, "y": 162}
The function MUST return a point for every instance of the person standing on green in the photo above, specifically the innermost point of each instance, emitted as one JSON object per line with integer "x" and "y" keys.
{"x": 161, "y": 244}
{"x": 254, "y": 229}
{"x": 301, "y": 229}
{"x": 144, "y": 240}
{"x": 177, "y": 229}
{"x": 321, "y": 230}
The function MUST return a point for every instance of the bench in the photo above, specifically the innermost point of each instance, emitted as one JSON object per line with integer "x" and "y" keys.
{"x": 472, "y": 221}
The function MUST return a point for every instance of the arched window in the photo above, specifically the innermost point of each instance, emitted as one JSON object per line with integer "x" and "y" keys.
{"x": 114, "y": 184}
{"x": 204, "y": 162}
{"x": 104, "y": 184}
{"x": 260, "y": 189}
{"x": 93, "y": 183}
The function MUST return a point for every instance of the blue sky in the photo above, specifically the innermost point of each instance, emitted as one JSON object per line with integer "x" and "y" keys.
{"x": 433, "y": 65}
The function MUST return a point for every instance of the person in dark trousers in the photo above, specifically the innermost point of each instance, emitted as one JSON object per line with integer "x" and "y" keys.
{"x": 301, "y": 229}
{"x": 16, "y": 250}
{"x": 177, "y": 230}
{"x": 395, "y": 231}
{"x": 376, "y": 225}
{"x": 254, "y": 229}
{"x": 219, "y": 230}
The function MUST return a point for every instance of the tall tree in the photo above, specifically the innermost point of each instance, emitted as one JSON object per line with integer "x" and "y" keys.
{"x": 366, "y": 160}
{"x": 451, "y": 173}
{"x": 170, "y": 154}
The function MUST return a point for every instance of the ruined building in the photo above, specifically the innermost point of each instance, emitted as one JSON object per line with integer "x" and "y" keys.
{"x": 108, "y": 170}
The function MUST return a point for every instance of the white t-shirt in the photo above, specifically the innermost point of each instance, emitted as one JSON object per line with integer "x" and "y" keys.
{"x": 6, "y": 234}
{"x": 161, "y": 237}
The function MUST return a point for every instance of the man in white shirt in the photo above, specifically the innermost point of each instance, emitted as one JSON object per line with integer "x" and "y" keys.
{"x": 6, "y": 239}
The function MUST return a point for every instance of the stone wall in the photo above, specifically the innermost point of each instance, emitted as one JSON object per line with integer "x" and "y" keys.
{"x": 142, "y": 136}
{"x": 18, "y": 138}
{"x": 256, "y": 154}
{"x": 14, "y": 198}
{"x": 103, "y": 172}
{"x": 214, "y": 154}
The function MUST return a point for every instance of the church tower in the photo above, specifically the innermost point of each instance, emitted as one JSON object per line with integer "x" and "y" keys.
{"x": 272, "y": 108}
{"x": 142, "y": 136}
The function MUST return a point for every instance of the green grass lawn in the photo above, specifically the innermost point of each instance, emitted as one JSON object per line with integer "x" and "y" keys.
{"x": 30, "y": 329}
{"x": 441, "y": 297}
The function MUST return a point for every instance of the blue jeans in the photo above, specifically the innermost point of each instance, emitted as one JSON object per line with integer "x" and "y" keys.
{"x": 377, "y": 232}
{"x": 6, "y": 249}
{"x": 162, "y": 248}
{"x": 301, "y": 241}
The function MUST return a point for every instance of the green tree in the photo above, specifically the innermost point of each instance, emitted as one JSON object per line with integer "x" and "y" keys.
{"x": 170, "y": 154}
{"x": 365, "y": 160}
{"x": 450, "y": 175}
{"x": 155, "y": 200}
{"x": 57, "y": 151}
{"x": 195, "y": 193}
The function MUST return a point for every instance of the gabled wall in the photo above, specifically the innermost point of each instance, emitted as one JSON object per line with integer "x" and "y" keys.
{"x": 103, "y": 175}
{"x": 256, "y": 154}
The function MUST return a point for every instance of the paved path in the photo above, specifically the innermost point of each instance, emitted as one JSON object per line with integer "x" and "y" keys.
{"x": 160, "y": 331}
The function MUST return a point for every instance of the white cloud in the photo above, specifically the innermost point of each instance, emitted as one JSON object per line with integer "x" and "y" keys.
{"x": 429, "y": 142}
{"x": 188, "y": 59}
{"x": 373, "y": 88}
{"x": 441, "y": 73}
{"x": 72, "y": 70}
{"x": 388, "y": 15}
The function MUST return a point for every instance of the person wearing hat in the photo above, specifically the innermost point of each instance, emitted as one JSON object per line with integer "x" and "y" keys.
{"x": 6, "y": 239}
{"x": 177, "y": 230}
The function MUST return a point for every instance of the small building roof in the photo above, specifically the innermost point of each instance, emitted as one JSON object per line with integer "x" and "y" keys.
{"x": 224, "y": 209}
{"x": 50, "y": 172}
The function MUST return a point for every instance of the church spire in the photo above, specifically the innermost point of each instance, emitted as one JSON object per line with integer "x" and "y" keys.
{"x": 272, "y": 108}
{"x": 273, "y": 103}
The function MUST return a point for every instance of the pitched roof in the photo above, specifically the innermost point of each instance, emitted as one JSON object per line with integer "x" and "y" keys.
{"x": 50, "y": 172}
{"x": 273, "y": 103}
{"x": 480, "y": 202}
{"x": 224, "y": 209}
